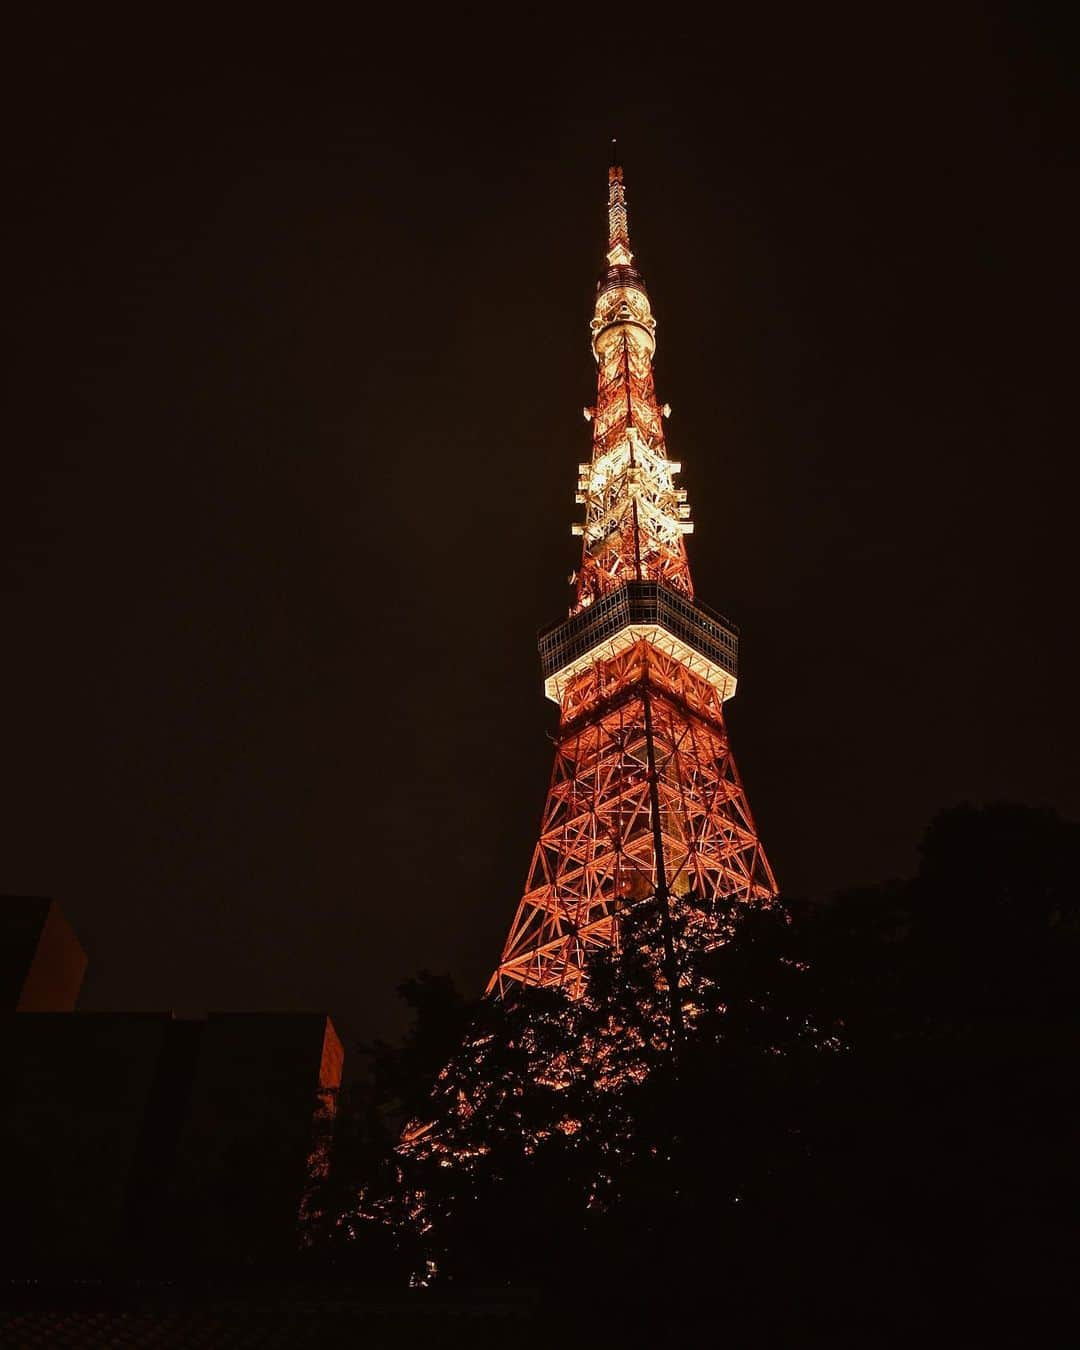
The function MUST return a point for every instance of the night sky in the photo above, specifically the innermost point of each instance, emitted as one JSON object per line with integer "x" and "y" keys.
{"x": 295, "y": 413}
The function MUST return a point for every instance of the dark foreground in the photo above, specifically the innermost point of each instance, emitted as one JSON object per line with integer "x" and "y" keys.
{"x": 175, "y": 1318}
{"x": 867, "y": 1138}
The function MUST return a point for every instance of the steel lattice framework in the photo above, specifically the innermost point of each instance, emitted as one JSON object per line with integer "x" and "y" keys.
{"x": 645, "y": 801}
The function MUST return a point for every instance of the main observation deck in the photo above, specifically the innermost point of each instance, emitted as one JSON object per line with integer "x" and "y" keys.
{"x": 705, "y": 641}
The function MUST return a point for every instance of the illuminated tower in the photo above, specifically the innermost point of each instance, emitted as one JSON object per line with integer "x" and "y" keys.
{"x": 645, "y": 801}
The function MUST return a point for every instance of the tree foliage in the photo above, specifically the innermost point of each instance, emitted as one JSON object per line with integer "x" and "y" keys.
{"x": 871, "y": 1091}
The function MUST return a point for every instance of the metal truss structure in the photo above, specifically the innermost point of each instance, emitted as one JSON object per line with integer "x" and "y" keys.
{"x": 645, "y": 802}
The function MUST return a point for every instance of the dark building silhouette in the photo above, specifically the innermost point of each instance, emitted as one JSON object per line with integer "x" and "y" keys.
{"x": 81, "y": 1087}
{"x": 42, "y": 962}
{"x": 142, "y": 1139}
{"x": 246, "y": 1137}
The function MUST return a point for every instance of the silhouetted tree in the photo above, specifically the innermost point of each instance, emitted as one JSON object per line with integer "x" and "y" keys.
{"x": 872, "y": 1105}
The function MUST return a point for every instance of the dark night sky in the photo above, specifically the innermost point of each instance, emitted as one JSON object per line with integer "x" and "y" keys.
{"x": 294, "y": 420}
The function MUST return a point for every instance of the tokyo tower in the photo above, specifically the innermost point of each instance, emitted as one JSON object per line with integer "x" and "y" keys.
{"x": 645, "y": 802}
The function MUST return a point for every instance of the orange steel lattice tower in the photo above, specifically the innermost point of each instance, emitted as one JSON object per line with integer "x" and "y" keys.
{"x": 645, "y": 802}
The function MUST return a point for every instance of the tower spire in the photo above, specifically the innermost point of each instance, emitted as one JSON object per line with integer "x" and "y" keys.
{"x": 635, "y": 516}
